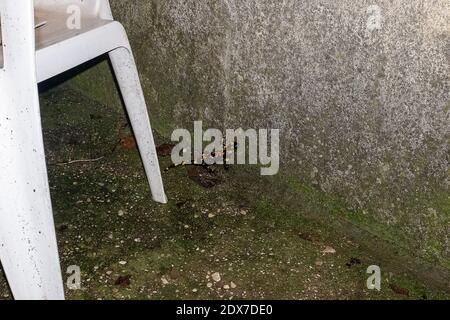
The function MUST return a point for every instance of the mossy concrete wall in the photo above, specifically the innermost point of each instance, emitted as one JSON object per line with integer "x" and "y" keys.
{"x": 359, "y": 89}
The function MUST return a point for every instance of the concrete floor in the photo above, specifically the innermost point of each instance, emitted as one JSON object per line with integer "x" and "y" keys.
{"x": 246, "y": 237}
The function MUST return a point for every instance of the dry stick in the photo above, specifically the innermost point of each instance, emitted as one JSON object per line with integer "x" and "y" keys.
{"x": 78, "y": 161}
{"x": 86, "y": 160}
{"x": 40, "y": 24}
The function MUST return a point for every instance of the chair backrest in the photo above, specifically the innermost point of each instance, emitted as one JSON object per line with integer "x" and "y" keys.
{"x": 90, "y": 8}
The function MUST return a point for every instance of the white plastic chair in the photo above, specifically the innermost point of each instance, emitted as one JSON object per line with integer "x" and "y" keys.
{"x": 28, "y": 248}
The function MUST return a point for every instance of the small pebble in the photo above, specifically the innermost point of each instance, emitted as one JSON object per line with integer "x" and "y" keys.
{"x": 329, "y": 250}
{"x": 216, "y": 276}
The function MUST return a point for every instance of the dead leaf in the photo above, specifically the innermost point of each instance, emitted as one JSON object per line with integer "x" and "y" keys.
{"x": 128, "y": 143}
{"x": 165, "y": 149}
{"x": 399, "y": 290}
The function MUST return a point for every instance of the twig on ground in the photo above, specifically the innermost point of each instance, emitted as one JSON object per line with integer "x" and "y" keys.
{"x": 78, "y": 161}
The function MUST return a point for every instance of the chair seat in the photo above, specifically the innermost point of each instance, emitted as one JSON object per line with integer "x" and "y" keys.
{"x": 52, "y": 27}
{"x": 56, "y": 43}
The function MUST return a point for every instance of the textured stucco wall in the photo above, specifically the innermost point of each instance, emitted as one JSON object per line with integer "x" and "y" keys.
{"x": 363, "y": 108}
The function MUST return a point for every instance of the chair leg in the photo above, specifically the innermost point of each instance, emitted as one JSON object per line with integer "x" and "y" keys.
{"x": 127, "y": 76}
{"x": 28, "y": 248}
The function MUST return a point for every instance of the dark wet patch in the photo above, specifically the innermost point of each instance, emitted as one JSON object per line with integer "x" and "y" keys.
{"x": 353, "y": 262}
{"x": 123, "y": 281}
{"x": 181, "y": 204}
{"x": 203, "y": 176}
{"x": 62, "y": 228}
{"x": 307, "y": 237}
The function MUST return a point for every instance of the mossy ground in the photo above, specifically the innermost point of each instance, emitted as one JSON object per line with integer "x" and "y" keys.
{"x": 254, "y": 231}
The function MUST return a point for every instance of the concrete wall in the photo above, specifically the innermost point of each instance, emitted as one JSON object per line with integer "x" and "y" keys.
{"x": 363, "y": 104}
